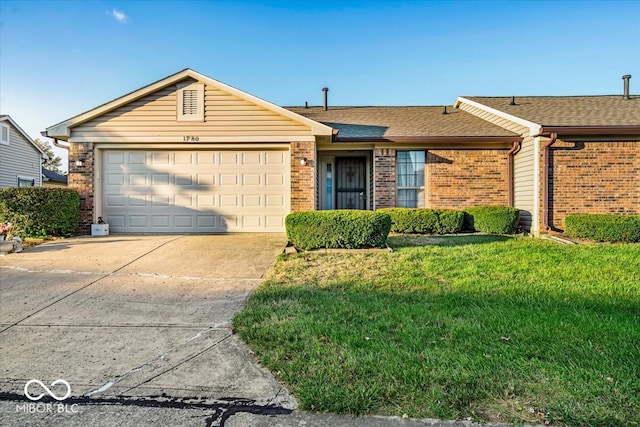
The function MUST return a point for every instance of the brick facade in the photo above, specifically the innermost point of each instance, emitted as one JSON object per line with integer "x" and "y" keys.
{"x": 592, "y": 177}
{"x": 303, "y": 182}
{"x": 458, "y": 179}
{"x": 81, "y": 179}
{"x": 384, "y": 165}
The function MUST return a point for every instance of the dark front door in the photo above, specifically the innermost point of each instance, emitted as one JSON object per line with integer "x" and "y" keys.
{"x": 351, "y": 182}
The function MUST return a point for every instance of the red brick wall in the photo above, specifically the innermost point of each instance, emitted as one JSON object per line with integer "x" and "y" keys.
{"x": 384, "y": 165}
{"x": 593, "y": 177}
{"x": 81, "y": 179}
{"x": 303, "y": 185}
{"x": 457, "y": 179}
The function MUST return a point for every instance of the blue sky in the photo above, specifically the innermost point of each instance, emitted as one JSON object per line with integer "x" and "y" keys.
{"x": 60, "y": 58}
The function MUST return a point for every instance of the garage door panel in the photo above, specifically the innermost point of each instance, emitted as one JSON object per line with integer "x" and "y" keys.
{"x": 138, "y": 179}
{"x": 115, "y": 179}
{"x": 137, "y": 221}
{"x": 196, "y": 191}
{"x": 138, "y": 201}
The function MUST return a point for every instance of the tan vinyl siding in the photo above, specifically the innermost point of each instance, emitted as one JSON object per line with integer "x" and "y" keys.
{"x": 155, "y": 115}
{"x": 523, "y": 178}
{"x": 19, "y": 158}
{"x": 524, "y": 174}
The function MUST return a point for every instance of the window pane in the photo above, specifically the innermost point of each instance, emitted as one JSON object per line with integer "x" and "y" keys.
{"x": 410, "y": 168}
{"x": 410, "y": 198}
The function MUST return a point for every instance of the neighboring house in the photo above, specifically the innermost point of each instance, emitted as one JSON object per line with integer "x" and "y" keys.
{"x": 53, "y": 179}
{"x": 191, "y": 154}
{"x": 580, "y": 154}
{"x": 20, "y": 158}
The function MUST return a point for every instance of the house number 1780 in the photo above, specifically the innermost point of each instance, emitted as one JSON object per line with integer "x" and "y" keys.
{"x": 191, "y": 138}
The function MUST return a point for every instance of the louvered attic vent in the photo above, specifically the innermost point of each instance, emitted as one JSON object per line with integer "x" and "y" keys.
{"x": 191, "y": 102}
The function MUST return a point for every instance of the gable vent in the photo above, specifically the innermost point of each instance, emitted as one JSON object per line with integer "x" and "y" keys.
{"x": 4, "y": 134}
{"x": 189, "y": 102}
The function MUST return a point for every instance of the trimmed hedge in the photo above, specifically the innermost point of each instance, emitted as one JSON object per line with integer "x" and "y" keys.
{"x": 338, "y": 229}
{"x": 40, "y": 211}
{"x": 424, "y": 221}
{"x": 492, "y": 219}
{"x": 604, "y": 227}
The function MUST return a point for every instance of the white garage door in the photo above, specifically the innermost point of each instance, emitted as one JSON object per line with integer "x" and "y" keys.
{"x": 195, "y": 191}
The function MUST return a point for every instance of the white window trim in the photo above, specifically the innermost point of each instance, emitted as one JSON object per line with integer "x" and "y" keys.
{"x": 26, "y": 178}
{"x": 8, "y": 128}
{"x": 199, "y": 116}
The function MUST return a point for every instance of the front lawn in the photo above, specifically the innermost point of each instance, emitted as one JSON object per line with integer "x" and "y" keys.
{"x": 488, "y": 327}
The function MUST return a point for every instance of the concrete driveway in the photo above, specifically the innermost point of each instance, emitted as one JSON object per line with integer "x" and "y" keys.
{"x": 124, "y": 317}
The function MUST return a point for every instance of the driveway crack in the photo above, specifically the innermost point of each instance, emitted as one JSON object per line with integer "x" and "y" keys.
{"x": 119, "y": 378}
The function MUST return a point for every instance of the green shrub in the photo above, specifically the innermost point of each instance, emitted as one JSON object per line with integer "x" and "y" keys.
{"x": 40, "y": 211}
{"x": 424, "y": 221}
{"x": 492, "y": 219}
{"x": 338, "y": 229}
{"x": 604, "y": 227}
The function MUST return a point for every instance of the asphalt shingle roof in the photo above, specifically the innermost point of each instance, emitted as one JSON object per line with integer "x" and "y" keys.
{"x": 401, "y": 122}
{"x": 606, "y": 110}
{"x": 54, "y": 176}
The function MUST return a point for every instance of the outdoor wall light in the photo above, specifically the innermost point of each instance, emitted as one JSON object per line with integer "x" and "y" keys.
{"x": 303, "y": 161}
{"x": 78, "y": 163}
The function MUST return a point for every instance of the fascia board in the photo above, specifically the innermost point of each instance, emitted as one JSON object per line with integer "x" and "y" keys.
{"x": 534, "y": 128}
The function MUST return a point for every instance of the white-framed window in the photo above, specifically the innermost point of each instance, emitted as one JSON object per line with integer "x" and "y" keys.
{"x": 26, "y": 181}
{"x": 4, "y": 134}
{"x": 410, "y": 179}
{"x": 190, "y": 102}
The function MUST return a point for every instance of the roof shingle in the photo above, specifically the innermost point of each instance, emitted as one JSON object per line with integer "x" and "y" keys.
{"x": 549, "y": 111}
{"x": 401, "y": 122}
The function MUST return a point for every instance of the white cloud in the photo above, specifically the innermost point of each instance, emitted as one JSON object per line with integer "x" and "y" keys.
{"x": 120, "y": 16}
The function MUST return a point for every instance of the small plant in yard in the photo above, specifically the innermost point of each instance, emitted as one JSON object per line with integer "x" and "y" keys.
{"x": 604, "y": 227}
{"x": 424, "y": 221}
{"x": 494, "y": 328}
{"x": 492, "y": 219}
{"x": 338, "y": 229}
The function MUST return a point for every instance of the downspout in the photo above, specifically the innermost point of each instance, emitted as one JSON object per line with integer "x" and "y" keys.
{"x": 55, "y": 141}
{"x": 545, "y": 180}
{"x": 510, "y": 156}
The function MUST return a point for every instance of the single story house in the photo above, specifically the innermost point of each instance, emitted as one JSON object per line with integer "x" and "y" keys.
{"x": 191, "y": 154}
{"x": 20, "y": 157}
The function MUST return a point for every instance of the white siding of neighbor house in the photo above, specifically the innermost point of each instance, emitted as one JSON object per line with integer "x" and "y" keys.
{"x": 226, "y": 115}
{"x": 19, "y": 158}
{"x": 523, "y": 164}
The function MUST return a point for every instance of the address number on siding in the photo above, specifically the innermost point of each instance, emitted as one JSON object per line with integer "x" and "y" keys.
{"x": 191, "y": 138}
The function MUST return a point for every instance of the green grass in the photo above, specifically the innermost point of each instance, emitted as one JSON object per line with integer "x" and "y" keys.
{"x": 488, "y": 327}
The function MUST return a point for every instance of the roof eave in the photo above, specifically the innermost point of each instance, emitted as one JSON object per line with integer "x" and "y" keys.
{"x": 432, "y": 139}
{"x": 8, "y": 118}
{"x": 590, "y": 130}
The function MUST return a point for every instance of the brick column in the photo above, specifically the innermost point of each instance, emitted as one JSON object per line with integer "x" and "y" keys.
{"x": 81, "y": 179}
{"x": 384, "y": 165}
{"x": 303, "y": 177}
